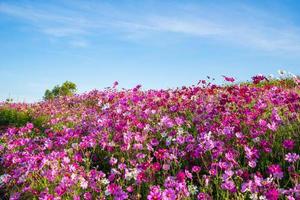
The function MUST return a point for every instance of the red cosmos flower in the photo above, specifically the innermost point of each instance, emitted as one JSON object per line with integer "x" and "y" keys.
{"x": 156, "y": 166}
{"x": 141, "y": 177}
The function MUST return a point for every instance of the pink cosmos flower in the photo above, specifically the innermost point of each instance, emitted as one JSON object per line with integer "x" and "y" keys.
{"x": 29, "y": 126}
{"x": 188, "y": 174}
{"x": 169, "y": 194}
{"x": 154, "y": 142}
{"x": 166, "y": 167}
{"x": 272, "y": 126}
{"x": 252, "y": 163}
{"x": 115, "y": 84}
{"x": 229, "y": 185}
{"x": 155, "y": 193}
{"x": 87, "y": 196}
{"x": 292, "y": 157}
{"x": 15, "y": 196}
{"x": 258, "y": 78}
{"x": 196, "y": 169}
{"x": 180, "y": 176}
{"x": 203, "y": 196}
{"x": 83, "y": 183}
{"x": 288, "y": 144}
{"x": 165, "y": 120}
{"x": 60, "y": 190}
{"x": 129, "y": 189}
{"x": 272, "y": 194}
{"x": 229, "y": 79}
{"x": 76, "y": 197}
{"x": 275, "y": 170}
{"x": 213, "y": 172}
{"x": 113, "y": 161}
{"x": 262, "y": 122}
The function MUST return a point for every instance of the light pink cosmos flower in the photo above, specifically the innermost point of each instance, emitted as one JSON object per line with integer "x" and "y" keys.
{"x": 292, "y": 157}
{"x": 169, "y": 194}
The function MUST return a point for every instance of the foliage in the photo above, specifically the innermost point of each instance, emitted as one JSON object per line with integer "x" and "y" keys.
{"x": 66, "y": 89}
{"x": 12, "y": 117}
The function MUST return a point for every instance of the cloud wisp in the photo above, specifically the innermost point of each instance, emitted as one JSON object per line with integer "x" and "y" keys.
{"x": 83, "y": 21}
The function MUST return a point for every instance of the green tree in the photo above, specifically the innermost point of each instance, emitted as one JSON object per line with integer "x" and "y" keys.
{"x": 9, "y": 100}
{"x": 66, "y": 89}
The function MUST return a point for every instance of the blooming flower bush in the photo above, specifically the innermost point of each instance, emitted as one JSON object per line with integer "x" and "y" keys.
{"x": 239, "y": 141}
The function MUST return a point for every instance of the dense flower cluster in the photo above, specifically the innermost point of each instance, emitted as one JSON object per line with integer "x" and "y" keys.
{"x": 199, "y": 142}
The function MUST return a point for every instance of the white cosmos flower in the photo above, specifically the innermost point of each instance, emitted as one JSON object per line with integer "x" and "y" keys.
{"x": 83, "y": 183}
{"x": 254, "y": 196}
{"x": 105, "y": 106}
{"x": 105, "y": 181}
{"x": 73, "y": 176}
{"x": 169, "y": 139}
{"x": 262, "y": 197}
{"x": 163, "y": 134}
{"x": 192, "y": 189}
{"x": 131, "y": 174}
{"x": 74, "y": 145}
{"x": 180, "y": 131}
{"x": 3, "y": 178}
{"x": 107, "y": 193}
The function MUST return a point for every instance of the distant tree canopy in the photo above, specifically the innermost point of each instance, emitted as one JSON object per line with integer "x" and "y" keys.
{"x": 66, "y": 89}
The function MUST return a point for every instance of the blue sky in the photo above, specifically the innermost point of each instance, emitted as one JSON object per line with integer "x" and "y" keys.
{"x": 159, "y": 44}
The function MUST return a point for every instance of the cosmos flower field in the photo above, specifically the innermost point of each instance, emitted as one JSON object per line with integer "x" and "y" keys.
{"x": 236, "y": 141}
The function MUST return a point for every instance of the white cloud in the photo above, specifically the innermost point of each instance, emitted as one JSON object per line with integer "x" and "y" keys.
{"x": 79, "y": 43}
{"x": 242, "y": 25}
{"x": 197, "y": 27}
{"x": 63, "y": 31}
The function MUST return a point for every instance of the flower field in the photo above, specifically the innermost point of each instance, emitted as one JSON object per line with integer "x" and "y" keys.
{"x": 237, "y": 141}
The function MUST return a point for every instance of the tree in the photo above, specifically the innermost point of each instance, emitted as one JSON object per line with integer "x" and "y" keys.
{"x": 66, "y": 89}
{"x": 9, "y": 100}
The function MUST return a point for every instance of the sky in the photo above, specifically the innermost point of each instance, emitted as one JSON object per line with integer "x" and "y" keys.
{"x": 158, "y": 44}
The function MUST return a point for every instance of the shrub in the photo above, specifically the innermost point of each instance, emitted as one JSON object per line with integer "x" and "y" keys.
{"x": 12, "y": 117}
